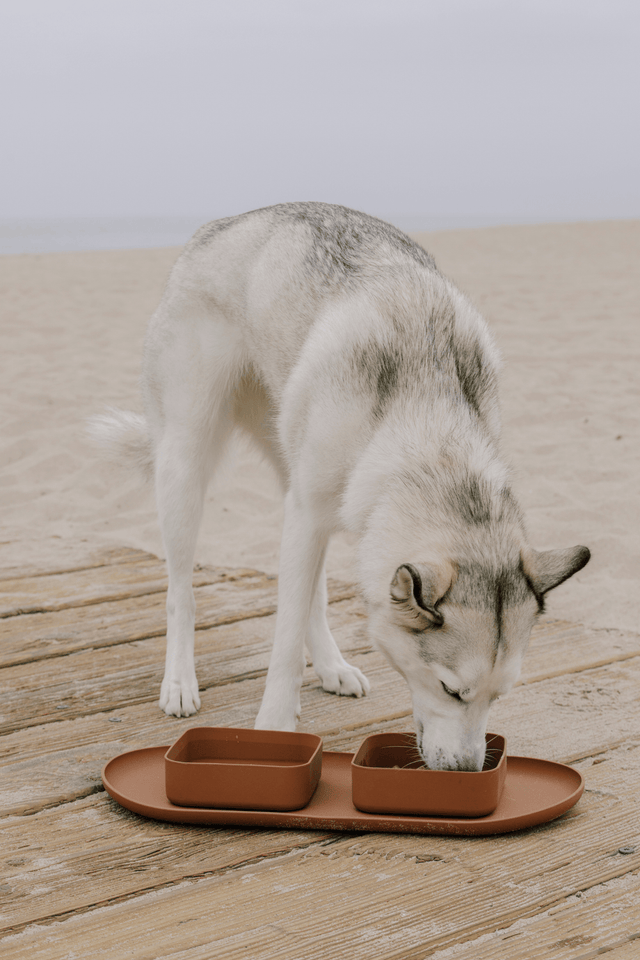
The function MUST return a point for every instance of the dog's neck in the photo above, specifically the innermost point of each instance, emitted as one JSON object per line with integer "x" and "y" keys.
{"x": 444, "y": 499}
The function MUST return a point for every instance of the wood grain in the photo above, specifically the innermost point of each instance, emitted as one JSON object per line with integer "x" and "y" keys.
{"x": 76, "y": 869}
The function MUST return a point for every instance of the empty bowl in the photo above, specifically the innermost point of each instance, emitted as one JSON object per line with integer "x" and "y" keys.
{"x": 239, "y": 769}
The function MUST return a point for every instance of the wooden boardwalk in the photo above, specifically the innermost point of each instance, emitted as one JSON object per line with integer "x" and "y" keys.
{"x": 81, "y": 659}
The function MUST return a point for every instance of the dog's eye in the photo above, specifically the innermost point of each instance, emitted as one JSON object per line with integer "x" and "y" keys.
{"x": 452, "y": 693}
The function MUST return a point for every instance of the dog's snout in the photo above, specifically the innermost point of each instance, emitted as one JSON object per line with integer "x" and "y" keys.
{"x": 437, "y": 756}
{"x": 445, "y": 761}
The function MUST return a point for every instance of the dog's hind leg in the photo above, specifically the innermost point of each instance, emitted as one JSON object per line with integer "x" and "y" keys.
{"x": 182, "y": 474}
{"x": 192, "y": 360}
{"x": 333, "y": 671}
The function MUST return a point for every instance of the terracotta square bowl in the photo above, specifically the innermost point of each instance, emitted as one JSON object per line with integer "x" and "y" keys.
{"x": 236, "y": 769}
{"x": 388, "y": 776}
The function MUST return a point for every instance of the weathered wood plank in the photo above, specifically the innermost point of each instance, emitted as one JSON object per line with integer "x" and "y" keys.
{"x": 62, "y": 591}
{"x": 105, "y": 678}
{"x": 533, "y": 717}
{"x": 40, "y": 783}
{"x": 85, "y": 617}
{"x": 30, "y": 637}
{"x": 92, "y": 852}
{"x": 55, "y": 555}
{"x": 390, "y": 696}
{"x": 73, "y": 857}
{"x": 622, "y": 951}
{"x": 602, "y": 920}
{"x": 558, "y": 647}
{"x": 161, "y": 890}
{"x": 33, "y": 637}
{"x": 395, "y": 895}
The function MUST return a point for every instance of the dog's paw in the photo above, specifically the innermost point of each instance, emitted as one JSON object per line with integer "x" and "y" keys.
{"x": 277, "y": 717}
{"x": 179, "y": 698}
{"x": 342, "y": 678}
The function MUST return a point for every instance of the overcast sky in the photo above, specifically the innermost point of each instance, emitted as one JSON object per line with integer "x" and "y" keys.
{"x": 499, "y": 109}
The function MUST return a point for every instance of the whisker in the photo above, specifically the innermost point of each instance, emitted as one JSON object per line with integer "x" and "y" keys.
{"x": 407, "y": 743}
{"x": 408, "y": 746}
{"x": 491, "y": 757}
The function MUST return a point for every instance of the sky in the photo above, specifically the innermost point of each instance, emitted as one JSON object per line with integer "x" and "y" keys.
{"x": 420, "y": 111}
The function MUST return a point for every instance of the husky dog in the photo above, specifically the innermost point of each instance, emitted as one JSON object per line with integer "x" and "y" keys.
{"x": 370, "y": 383}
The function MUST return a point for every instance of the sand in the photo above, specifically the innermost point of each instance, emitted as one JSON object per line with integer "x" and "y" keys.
{"x": 562, "y": 300}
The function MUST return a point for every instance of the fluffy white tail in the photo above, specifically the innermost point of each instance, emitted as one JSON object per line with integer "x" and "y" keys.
{"x": 123, "y": 438}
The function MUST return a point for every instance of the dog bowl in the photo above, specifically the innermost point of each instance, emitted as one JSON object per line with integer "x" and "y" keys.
{"x": 388, "y": 776}
{"x": 237, "y": 769}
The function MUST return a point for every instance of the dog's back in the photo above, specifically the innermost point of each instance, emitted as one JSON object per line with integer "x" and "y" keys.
{"x": 331, "y": 310}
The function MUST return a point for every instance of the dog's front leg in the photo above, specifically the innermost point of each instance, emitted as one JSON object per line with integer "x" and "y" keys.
{"x": 301, "y": 561}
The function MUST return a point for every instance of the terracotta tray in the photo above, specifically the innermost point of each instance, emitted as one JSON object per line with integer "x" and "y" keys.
{"x": 535, "y": 791}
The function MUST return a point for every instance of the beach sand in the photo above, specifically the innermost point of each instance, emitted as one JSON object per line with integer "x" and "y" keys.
{"x": 562, "y": 300}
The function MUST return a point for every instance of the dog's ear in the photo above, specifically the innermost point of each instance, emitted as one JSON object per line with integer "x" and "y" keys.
{"x": 549, "y": 568}
{"x": 416, "y": 588}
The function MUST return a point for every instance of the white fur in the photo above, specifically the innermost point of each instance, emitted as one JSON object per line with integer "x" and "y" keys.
{"x": 268, "y": 329}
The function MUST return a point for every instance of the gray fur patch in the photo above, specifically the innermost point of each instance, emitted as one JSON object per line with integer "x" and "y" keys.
{"x": 380, "y": 370}
{"x": 470, "y": 497}
{"x": 486, "y": 588}
{"x": 481, "y": 588}
{"x": 474, "y": 500}
{"x": 475, "y": 378}
{"x": 343, "y": 241}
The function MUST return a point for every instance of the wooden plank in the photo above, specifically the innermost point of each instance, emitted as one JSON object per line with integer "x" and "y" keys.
{"x": 40, "y": 783}
{"x": 161, "y": 890}
{"x": 54, "y": 555}
{"x": 56, "y": 634}
{"x": 78, "y": 588}
{"x": 602, "y": 920}
{"x": 558, "y": 647}
{"x": 389, "y": 699}
{"x": 383, "y": 895}
{"x": 622, "y": 951}
{"x": 530, "y": 716}
{"x": 551, "y": 718}
{"x": 75, "y": 856}
{"x": 224, "y": 598}
{"x": 138, "y": 611}
{"x": 129, "y": 673}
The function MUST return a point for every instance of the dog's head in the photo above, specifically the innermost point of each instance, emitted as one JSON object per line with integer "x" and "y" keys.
{"x": 458, "y": 635}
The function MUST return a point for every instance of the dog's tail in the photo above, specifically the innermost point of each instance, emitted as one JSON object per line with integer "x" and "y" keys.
{"x": 123, "y": 438}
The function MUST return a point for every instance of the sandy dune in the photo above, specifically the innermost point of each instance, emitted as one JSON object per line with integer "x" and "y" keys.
{"x": 563, "y": 301}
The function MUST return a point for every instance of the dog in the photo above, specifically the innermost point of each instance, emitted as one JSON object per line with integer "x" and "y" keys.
{"x": 370, "y": 383}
